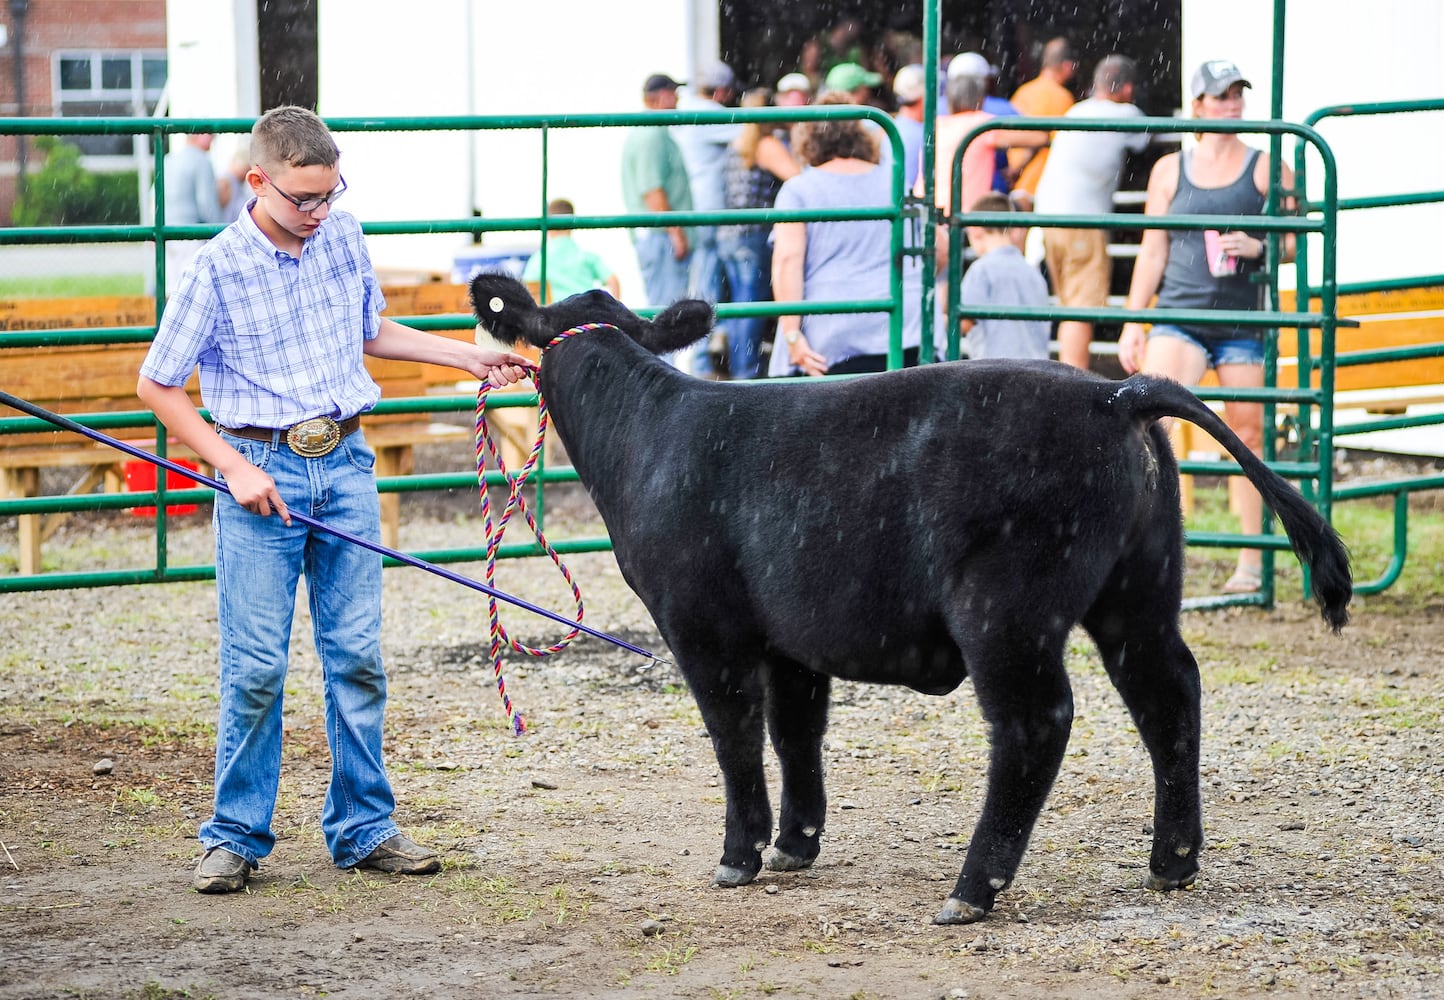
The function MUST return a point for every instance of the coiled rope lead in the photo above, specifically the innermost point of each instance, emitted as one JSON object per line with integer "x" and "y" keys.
{"x": 515, "y": 501}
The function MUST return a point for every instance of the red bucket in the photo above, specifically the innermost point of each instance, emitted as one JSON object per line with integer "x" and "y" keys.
{"x": 140, "y": 478}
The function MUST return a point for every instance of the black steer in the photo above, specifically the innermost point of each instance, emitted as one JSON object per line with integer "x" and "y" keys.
{"x": 917, "y": 527}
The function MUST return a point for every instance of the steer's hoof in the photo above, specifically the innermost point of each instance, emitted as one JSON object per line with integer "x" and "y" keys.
{"x": 955, "y": 911}
{"x": 1157, "y": 883}
{"x": 728, "y": 877}
{"x": 781, "y": 861}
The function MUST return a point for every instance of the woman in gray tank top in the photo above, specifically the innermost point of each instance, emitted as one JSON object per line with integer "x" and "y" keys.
{"x": 1209, "y": 270}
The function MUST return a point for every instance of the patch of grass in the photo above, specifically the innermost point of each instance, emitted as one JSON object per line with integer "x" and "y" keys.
{"x": 72, "y": 286}
{"x": 1401, "y": 710}
{"x": 153, "y": 990}
{"x": 1367, "y": 528}
{"x": 940, "y": 781}
{"x": 1278, "y": 750}
{"x": 669, "y": 960}
{"x": 137, "y": 800}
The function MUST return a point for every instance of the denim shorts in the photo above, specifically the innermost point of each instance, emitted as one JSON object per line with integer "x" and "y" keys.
{"x": 1223, "y": 348}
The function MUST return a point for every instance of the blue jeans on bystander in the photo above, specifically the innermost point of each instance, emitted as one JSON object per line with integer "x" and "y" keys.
{"x": 664, "y": 277}
{"x": 747, "y": 261}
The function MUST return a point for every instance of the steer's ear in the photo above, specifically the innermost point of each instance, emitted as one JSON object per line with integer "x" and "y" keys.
{"x": 677, "y": 326}
{"x": 506, "y": 309}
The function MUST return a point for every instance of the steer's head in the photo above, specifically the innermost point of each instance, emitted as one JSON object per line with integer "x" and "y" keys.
{"x": 507, "y": 311}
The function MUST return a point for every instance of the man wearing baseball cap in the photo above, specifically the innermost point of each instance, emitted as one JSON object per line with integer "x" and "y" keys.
{"x": 793, "y": 91}
{"x": 704, "y": 151}
{"x": 854, "y": 80}
{"x": 654, "y": 179}
{"x": 908, "y": 88}
{"x": 976, "y": 64}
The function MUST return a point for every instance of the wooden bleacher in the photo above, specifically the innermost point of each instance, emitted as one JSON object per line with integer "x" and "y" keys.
{"x": 101, "y": 379}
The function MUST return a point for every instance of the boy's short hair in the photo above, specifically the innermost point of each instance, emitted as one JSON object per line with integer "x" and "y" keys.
{"x": 992, "y": 201}
{"x": 560, "y": 207}
{"x": 291, "y": 136}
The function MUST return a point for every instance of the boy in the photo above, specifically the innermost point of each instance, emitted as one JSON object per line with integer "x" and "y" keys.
{"x": 1002, "y": 277}
{"x": 570, "y": 269}
{"x": 278, "y": 310}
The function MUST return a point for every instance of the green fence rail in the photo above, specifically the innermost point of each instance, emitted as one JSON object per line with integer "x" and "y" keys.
{"x": 910, "y": 222}
{"x": 1315, "y": 465}
{"x": 1399, "y": 488}
{"x": 897, "y": 212}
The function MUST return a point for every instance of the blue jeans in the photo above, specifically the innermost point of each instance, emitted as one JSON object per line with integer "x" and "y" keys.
{"x": 664, "y": 277}
{"x": 1221, "y": 346}
{"x": 748, "y": 263}
{"x": 258, "y": 564}
{"x": 705, "y": 283}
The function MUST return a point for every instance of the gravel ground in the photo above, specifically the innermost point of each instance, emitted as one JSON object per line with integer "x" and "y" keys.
{"x": 577, "y": 857}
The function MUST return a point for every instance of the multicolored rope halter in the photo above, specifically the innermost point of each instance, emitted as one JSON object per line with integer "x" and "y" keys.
{"x": 584, "y": 328}
{"x": 514, "y": 502}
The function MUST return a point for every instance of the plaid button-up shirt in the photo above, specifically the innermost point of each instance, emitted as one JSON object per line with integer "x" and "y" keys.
{"x": 278, "y": 338}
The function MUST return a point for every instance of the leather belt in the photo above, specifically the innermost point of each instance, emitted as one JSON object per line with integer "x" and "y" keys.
{"x": 310, "y": 438}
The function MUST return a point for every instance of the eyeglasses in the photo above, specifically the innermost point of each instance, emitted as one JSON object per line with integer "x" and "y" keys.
{"x": 307, "y": 205}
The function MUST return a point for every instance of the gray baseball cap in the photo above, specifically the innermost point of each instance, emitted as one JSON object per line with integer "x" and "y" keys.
{"x": 1215, "y": 77}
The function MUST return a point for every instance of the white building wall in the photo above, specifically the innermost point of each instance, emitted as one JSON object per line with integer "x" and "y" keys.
{"x": 1338, "y": 53}
{"x": 461, "y": 57}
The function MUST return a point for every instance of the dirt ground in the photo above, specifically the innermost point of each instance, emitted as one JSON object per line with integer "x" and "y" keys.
{"x": 578, "y": 856}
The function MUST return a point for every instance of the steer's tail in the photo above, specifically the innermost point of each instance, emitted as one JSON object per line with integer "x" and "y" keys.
{"x": 1145, "y": 397}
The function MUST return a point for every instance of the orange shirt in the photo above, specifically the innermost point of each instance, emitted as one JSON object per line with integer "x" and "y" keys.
{"x": 1038, "y": 98}
{"x": 977, "y": 159}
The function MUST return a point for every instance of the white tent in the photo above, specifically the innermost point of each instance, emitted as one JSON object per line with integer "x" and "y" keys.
{"x": 454, "y": 57}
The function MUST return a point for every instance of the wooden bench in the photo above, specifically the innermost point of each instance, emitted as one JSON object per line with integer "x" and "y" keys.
{"x": 1408, "y": 318}
{"x": 101, "y": 379}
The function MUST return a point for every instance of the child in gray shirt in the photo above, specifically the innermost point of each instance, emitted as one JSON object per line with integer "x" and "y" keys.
{"x": 1002, "y": 277}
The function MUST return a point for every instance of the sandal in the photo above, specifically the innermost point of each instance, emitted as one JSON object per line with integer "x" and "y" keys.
{"x": 1244, "y": 581}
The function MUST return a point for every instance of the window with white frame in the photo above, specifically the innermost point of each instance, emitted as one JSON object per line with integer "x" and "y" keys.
{"x": 107, "y": 85}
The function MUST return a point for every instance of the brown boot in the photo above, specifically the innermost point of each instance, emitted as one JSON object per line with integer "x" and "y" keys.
{"x": 400, "y": 856}
{"x": 221, "y": 870}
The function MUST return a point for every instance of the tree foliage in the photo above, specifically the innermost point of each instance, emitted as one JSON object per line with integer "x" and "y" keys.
{"x": 63, "y": 193}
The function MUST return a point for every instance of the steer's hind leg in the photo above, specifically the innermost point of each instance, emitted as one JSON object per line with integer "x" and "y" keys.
{"x": 797, "y": 704}
{"x": 1156, "y": 674}
{"x": 730, "y": 697}
{"x": 1023, "y": 691}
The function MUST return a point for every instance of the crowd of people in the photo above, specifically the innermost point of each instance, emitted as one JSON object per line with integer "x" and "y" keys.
{"x": 1034, "y": 173}
{"x": 706, "y": 167}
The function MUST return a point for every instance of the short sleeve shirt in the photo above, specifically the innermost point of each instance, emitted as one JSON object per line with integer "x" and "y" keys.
{"x": 570, "y": 269}
{"x": 651, "y": 159}
{"x": 1003, "y": 277}
{"x": 977, "y": 159}
{"x": 278, "y": 339}
{"x": 1084, "y": 166}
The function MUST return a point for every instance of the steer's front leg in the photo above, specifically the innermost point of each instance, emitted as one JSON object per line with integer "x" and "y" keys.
{"x": 732, "y": 709}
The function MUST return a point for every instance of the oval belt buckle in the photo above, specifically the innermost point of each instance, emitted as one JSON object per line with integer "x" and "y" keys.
{"x": 315, "y": 437}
